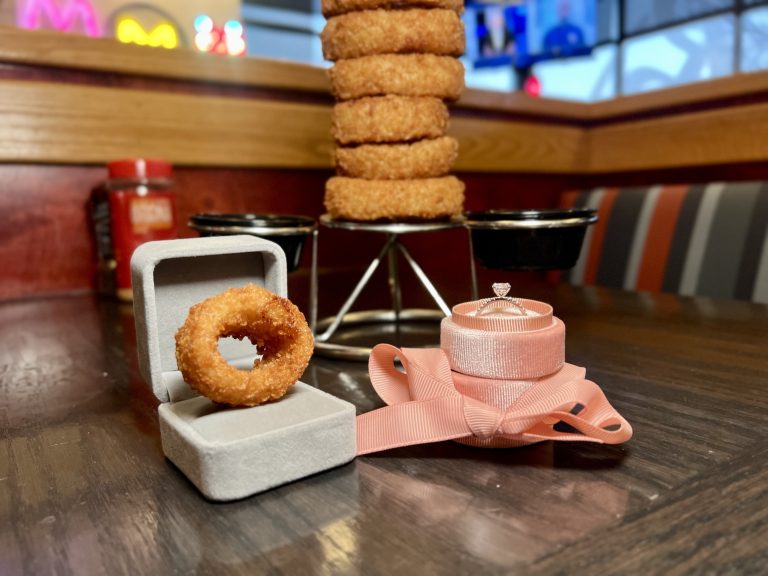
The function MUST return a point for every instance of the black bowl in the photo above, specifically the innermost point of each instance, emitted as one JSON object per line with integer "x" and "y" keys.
{"x": 287, "y": 231}
{"x": 528, "y": 239}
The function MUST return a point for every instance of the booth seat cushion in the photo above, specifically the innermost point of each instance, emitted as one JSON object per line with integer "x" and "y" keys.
{"x": 705, "y": 240}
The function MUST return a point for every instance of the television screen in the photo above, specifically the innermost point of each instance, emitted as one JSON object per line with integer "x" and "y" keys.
{"x": 528, "y": 32}
{"x": 492, "y": 34}
{"x": 558, "y": 29}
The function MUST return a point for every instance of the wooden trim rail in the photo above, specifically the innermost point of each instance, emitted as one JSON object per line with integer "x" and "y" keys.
{"x": 71, "y": 51}
{"x": 718, "y": 122}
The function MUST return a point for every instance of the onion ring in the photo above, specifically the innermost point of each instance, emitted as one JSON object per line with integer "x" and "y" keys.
{"x": 388, "y": 119}
{"x": 421, "y": 159}
{"x": 398, "y": 74}
{"x": 367, "y": 200}
{"x": 336, "y": 7}
{"x": 274, "y": 324}
{"x": 371, "y": 32}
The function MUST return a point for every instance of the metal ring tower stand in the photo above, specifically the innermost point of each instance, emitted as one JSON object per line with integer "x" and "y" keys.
{"x": 326, "y": 328}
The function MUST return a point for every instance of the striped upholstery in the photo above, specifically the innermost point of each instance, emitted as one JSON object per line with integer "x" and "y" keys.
{"x": 706, "y": 240}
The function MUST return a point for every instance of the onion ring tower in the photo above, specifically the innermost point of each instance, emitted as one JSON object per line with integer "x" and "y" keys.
{"x": 395, "y": 66}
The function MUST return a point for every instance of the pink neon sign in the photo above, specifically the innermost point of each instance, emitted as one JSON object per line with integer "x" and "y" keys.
{"x": 62, "y": 18}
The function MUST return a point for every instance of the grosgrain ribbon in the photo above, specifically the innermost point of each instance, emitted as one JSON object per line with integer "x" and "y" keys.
{"x": 425, "y": 406}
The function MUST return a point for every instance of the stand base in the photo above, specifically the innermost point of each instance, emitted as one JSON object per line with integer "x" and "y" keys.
{"x": 367, "y": 326}
{"x": 397, "y": 317}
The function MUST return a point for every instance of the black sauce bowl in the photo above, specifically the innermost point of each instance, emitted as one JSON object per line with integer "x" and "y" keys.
{"x": 528, "y": 239}
{"x": 287, "y": 231}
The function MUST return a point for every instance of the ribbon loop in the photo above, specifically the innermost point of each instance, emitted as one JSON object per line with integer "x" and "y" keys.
{"x": 390, "y": 384}
{"x": 425, "y": 406}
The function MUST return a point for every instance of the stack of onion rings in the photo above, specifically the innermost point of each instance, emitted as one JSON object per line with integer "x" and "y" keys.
{"x": 398, "y": 74}
{"x": 394, "y": 68}
{"x": 274, "y": 324}
{"x": 357, "y": 34}
{"x": 388, "y": 119}
{"x": 425, "y": 198}
{"x": 336, "y": 7}
{"x": 422, "y": 159}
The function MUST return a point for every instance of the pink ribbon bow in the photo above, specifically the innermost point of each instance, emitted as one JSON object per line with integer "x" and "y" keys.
{"x": 424, "y": 406}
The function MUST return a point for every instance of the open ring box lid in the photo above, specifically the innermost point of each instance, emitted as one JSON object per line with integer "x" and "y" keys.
{"x": 228, "y": 453}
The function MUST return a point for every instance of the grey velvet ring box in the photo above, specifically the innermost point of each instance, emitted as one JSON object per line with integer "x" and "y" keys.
{"x": 228, "y": 453}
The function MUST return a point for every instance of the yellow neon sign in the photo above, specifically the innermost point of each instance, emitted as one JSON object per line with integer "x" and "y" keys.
{"x": 129, "y": 31}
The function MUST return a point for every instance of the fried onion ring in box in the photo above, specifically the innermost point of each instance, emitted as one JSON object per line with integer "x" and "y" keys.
{"x": 370, "y": 32}
{"x": 274, "y": 324}
{"x": 398, "y": 74}
{"x": 336, "y": 7}
{"x": 425, "y": 199}
{"x": 388, "y": 119}
{"x": 421, "y": 159}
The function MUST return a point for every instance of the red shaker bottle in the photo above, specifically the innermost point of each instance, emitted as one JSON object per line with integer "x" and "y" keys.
{"x": 135, "y": 205}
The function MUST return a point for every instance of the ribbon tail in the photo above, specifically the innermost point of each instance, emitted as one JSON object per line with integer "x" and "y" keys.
{"x": 598, "y": 421}
{"x": 418, "y": 422}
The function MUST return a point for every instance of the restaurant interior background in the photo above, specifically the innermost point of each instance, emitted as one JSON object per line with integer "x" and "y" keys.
{"x": 660, "y": 125}
{"x": 669, "y": 93}
{"x": 639, "y": 45}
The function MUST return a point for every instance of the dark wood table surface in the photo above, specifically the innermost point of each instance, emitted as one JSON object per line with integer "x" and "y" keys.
{"x": 85, "y": 488}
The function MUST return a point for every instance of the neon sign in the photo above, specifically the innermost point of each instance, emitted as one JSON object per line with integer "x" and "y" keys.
{"x": 227, "y": 40}
{"x": 129, "y": 31}
{"x": 62, "y": 18}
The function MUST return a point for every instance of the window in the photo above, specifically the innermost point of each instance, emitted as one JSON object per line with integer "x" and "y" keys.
{"x": 284, "y": 30}
{"x": 587, "y": 78}
{"x": 642, "y": 15}
{"x": 607, "y": 20}
{"x": 500, "y": 79}
{"x": 754, "y": 40}
{"x": 688, "y": 53}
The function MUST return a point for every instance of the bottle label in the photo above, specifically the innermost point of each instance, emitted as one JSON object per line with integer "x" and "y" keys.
{"x": 148, "y": 214}
{"x": 135, "y": 219}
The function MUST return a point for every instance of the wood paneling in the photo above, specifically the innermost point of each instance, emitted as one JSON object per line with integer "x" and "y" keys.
{"x": 51, "y": 49}
{"x": 45, "y": 241}
{"x": 721, "y": 92}
{"x": 253, "y": 135}
{"x": 519, "y": 103}
{"x": 46, "y": 245}
{"x": 45, "y": 122}
{"x": 74, "y": 124}
{"x": 515, "y": 146}
{"x": 77, "y": 124}
{"x": 730, "y": 135}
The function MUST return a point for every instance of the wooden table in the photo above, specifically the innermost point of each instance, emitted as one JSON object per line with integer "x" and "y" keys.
{"x": 85, "y": 489}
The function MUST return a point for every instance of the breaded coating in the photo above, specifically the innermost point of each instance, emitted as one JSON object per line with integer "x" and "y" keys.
{"x": 421, "y": 159}
{"x": 415, "y": 31}
{"x": 368, "y": 200}
{"x": 274, "y": 324}
{"x": 336, "y": 7}
{"x": 388, "y": 119}
{"x": 398, "y": 74}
